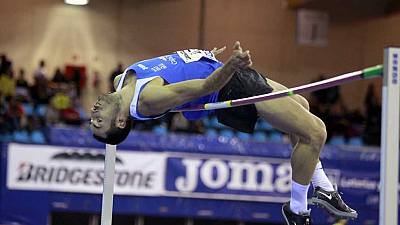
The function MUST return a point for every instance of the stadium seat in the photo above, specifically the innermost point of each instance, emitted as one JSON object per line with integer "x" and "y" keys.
{"x": 337, "y": 140}
{"x": 227, "y": 133}
{"x": 215, "y": 124}
{"x": 243, "y": 136}
{"x": 37, "y": 137}
{"x": 276, "y": 137}
{"x": 6, "y": 137}
{"x": 212, "y": 133}
{"x": 82, "y": 114}
{"x": 206, "y": 122}
{"x": 160, "y": 130}
{"x": 356, "y": 141}
{"x": 21, "y": 136}
{"x": 40, "y": 110}
{"x": 259, "y": 136}
{"x": 28, "y": 109}
{"x": 263, "y": 126}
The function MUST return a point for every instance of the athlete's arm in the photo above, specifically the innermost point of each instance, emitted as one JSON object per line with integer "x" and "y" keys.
{"x": 157, "y": 98}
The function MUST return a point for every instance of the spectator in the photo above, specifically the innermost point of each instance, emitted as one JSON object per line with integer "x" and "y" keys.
{"x": 21, "y": 81}
{"x": 78, "y": 107}
{"x": 5, "y": 123}
{"x": 22, "y": 87}
{"x": 70, "y": 116}
{"x": 113, "y": 74}
{"x": 59, "y": 77}
{"x": 39, "y": 91}
{"x": 328, "y": 105}
{"x": 327, "y": 96}
{"x": 76, "y": 80}
{"x": 15, "y": 113}
{"x": 33, "y": 124}
{"x": 73, "y": 115}
{"x": 7, "y": 83}
{"x": 355, "y": 124}
{"x": 40, "y": 72}
{"x": 97, "y": 82}
{"x": 52, "y": 115}
{"x": 61, "y": 101}
{"x": 3, "y": 105}
{"x": 5, "y": 64}
{"x": 180, "y": 124}
{"x": 372, "y": 132}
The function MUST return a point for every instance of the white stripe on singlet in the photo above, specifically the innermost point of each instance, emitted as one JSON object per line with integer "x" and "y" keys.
{"x": 121, "y": 81}
{"x": 134, "y": 104}
{"x": 140, "y": 83}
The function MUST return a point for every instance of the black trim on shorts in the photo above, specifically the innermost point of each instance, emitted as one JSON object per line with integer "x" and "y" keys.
{"x": 244, "y": 83}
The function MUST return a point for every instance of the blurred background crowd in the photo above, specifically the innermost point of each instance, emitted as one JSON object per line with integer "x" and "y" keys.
{"x": 53, "y": 98}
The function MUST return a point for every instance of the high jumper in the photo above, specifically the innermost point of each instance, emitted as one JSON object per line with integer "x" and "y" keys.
{"x": 151, "y": 88}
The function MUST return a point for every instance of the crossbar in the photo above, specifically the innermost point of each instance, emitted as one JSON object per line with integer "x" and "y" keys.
{"x": 367, "y": 73}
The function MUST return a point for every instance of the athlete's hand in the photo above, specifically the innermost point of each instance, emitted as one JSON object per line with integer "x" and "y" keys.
{"x": 240, "y": 58}
{"x": 217, "y": 51}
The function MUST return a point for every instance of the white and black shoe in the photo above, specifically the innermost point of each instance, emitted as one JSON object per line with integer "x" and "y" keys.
{"x": 332, "y": 202}
{"x": 293, "y": 218}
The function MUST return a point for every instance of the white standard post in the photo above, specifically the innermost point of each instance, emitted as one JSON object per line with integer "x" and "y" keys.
{"x": 108, "y": 185}
{"x": 388, "y": 200}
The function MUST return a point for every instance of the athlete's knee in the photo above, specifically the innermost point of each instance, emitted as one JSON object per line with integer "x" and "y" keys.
{"x": 294, "y": 139}
{"x": 303, "y": 102}
{"x": 316, "y": 134}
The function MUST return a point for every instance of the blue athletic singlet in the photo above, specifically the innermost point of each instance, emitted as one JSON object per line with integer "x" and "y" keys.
{"x": 180, "y": 66}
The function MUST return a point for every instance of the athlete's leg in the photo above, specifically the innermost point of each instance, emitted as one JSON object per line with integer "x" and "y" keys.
{"x": 298, "y": 98}
{"x": 290, "y": 117}
{"x": 319, "y": 177}
{"x": 323, "y": 187}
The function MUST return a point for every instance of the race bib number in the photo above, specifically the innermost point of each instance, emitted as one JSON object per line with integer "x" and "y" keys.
{"x": 193, "y": 55}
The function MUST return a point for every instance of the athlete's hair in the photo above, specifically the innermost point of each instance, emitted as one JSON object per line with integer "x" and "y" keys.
{"x": 116, "y": 135}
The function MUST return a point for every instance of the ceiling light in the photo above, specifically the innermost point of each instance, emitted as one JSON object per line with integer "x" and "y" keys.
{"x": 76, "y": 2}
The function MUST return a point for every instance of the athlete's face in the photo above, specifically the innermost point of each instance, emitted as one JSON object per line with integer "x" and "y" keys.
{"x": 103, "y": 113}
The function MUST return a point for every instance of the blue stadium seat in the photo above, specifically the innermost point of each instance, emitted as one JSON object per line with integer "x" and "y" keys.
{"x": 259, "y": 136}
{"x": 356, "y": 141}
{"x": 28, "y": 109}
{"x": 160, "y": 130}
{"x": 37, "y": 137}
{"x": 82, "y": 114}
{"x": 6, "y": 137}
{"x": 40, "y": 110}
{"x": 263, "y": 126}
{"x": 276, "y": 137}
{"x": 21, "y": 136}
{"x": 243, "y": 136}
{"x": 206, "y": 122}
{"x": 337, "y": 140}
{"x": 227, "y": 133}
{"x": 212, "y": 133}
{"x": 215, "y": 124}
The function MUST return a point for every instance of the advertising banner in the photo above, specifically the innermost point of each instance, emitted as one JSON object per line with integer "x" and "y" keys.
{"x": 248, "y": 185}
{"x": 228, "y": 177}
{"x": 190, "y": 175}
{"x": 68, "y": 169}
